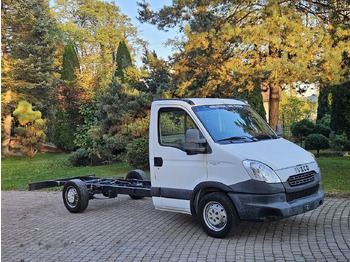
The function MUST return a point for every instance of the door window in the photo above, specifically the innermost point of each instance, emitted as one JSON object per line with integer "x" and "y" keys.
{"x": 173, "y": 124}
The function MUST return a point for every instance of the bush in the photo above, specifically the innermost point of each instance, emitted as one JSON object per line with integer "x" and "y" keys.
{"x": 316, "y": 142}
{"x": 326, "y": 120}
{"x": 64, "y": 137}
{"x": 302, "y": 129}
{"x": 338, "y": 142}
{"x": 81, "y": 157}
{"x": 137, "y": 153}
{"x": 322, "y": 129}
{"x": 30, "y": 132}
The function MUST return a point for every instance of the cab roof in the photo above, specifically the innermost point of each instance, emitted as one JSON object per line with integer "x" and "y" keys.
{"x": 203, "y": 101}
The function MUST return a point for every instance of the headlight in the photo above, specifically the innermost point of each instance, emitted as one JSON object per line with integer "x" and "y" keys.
{"x": 260, "y": 171}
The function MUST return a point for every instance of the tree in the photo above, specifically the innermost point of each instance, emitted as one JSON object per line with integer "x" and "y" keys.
{"x": 27, "y": 52}
{"x": 138, "y": 153}
{"x": 70, "y": 63}
{"x": 302, "y": 129}
{"x": 332, "y": 15}
{"x": 254, "y": 98}
{"x": 96, "y": 28}
{"x": 324, "y": 102}
{"x": 322, "y": 129}
{"x": 340, "y": 114}
{"x": 232, "y": 44}
{"x": 67, "y": 115}
{"x": 123, "y": 60}
{"x": 294, "y": 108}
{"x": 30, "y": 134}
{"x": 316, "y": 142}
{"x": 158, "y": 79}
{"x": 122, "y": 115}
{"x": 338, "y": 142}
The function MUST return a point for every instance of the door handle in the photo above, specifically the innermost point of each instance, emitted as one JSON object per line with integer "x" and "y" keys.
{"x": 158, "y": 161}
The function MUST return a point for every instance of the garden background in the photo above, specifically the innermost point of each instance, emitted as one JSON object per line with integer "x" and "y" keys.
{"x": 70, "y": 79}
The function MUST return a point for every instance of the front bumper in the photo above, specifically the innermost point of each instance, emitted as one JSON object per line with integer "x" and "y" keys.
{"x": 269, "y": 207}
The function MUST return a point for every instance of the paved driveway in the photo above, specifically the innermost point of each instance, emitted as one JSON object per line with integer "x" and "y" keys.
{"x": 37, "y": 227}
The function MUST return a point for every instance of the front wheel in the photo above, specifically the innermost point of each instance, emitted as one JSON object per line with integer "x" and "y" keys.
{"x": 217, "y": 215}
{"x": 75, "y": 196}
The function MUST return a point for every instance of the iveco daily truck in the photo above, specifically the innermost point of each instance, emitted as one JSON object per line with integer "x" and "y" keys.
{"x": 215, "y": 159}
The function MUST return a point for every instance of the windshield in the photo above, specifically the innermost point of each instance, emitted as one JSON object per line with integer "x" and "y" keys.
{"x": 233, "y": 123}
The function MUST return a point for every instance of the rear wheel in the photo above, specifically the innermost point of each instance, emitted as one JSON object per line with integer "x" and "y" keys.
{"x": 75, "y": 196}
{"x": 137, "y": 174}
{"x": 217, "y": 215}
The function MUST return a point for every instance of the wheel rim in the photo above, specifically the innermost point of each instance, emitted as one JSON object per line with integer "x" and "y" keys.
{"x": 215, "y": 216}
{"x": 71, "y": 197}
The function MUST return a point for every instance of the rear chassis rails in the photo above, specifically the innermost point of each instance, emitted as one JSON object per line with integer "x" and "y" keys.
{"x": 77, "y": 191}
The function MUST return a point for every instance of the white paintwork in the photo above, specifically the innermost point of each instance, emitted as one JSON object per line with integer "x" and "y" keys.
{"x": 223, "y": 164}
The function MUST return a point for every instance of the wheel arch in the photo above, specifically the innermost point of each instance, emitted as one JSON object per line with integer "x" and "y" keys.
{"x": 203, "y": 189}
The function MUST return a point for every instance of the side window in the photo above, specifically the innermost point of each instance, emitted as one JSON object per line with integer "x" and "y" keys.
{"x": 172, "y": 126}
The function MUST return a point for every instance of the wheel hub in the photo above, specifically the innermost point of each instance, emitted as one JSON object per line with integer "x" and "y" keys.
{"x": 72, "y": 196}
{"x": 215, "y": 216}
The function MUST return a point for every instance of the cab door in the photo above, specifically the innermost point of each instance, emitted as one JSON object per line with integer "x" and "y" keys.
{"x": 176, "y": 172}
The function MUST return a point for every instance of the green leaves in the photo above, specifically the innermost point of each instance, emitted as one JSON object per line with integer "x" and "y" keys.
{"x": 70, "y": 63}
{"x": 25, "y": 114}
{"x": 232, "y": 45}
{"x": 96, "y": 28}
{"x": 317, "y": 142}
{"x": 31, "y": 134}
{"x": 123, "y": 60}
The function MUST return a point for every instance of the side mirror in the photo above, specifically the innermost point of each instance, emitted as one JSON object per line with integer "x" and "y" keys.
{"x": 279, "y": 130}
{"x": 193, "y": 143}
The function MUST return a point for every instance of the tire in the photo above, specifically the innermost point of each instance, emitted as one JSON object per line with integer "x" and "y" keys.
{"x": 217, "y": 215}
{"x": 75, "y": 196}
{"x": 137, "y": 174}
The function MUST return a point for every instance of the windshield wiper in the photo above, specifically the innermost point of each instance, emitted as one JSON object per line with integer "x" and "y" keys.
{"x": 264, "y": 136}
{"x": 235, "y": 138}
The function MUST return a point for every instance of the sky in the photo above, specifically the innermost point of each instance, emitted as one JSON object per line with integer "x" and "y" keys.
{"x": 156, "y": 39}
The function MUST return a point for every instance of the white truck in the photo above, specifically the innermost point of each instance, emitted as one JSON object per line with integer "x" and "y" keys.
{"x": 215, "y": 159}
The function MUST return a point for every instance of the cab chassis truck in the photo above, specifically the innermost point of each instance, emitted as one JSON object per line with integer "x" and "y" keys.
{"x": 215, "y": 159}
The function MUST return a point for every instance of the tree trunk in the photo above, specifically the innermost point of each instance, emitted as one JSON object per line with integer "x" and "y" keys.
{"x": 274, "y": 106}
{"x": 5, "y": 143}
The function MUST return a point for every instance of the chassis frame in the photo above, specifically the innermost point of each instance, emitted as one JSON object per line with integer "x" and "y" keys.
{"x": 108, "y": 187}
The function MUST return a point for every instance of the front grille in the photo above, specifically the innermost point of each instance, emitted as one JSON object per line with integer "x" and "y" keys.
{"x": 301, "y": 179}
{"x": 303, "y": 193}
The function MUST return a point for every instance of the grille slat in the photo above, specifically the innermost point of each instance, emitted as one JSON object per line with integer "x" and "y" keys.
{"x": 301, "y": 179}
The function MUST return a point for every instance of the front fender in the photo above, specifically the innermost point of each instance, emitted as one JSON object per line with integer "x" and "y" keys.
{"x": 202, "y": 189}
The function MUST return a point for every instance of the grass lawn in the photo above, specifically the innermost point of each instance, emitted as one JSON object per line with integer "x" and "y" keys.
{"x": 335, "y": 175}
{"x": 18, "y": 171}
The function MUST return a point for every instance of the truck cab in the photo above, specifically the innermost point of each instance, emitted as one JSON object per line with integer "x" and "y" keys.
{"x": 219, "y": 160}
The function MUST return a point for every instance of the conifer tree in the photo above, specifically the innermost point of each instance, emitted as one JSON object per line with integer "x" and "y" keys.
{"x": 158, "y": 80}
{"x": 96, "y": 28}
{"x": 27, "y": 48}
{"x": 67, "y": 115}
{"x": 340, "y": 113}
{"x": 30, "y": 132}
{"x": 324, "y": 103}
{"x": 70, "y": 63}
{"x": 123, "y": 60}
